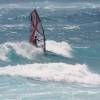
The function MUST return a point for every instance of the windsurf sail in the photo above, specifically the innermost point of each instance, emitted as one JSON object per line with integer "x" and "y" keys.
{"x": 37, "y": 37}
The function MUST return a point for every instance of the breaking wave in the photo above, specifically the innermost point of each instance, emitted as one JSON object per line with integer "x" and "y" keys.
{"x": 26, "y": 50}
{"x": 60, "y": 72}
{"x": 50, "y": 6}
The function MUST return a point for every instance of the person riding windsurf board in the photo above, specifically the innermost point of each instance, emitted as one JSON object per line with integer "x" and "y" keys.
{"x": 37, "y": 37}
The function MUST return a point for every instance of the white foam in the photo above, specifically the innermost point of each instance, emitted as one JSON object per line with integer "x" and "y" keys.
{"x": 50, "y": 5}
{"x": 3, "y": 52}
{"x": 71, "y": 27}
{"x": 60, "y": 48}
{"x": 16, "y": 5}
{"x": 26, "y": 50}
{"x": 21, "y": 48}
{"x": 12, "y": 25}
{"x": 51, "y": 29}
{"x": 81, "y": 47}
{"x": 53, "y": 72}
{"x": 72, "y": 6}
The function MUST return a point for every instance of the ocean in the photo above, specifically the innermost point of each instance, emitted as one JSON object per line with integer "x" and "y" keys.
{"x": 71, "y": 68}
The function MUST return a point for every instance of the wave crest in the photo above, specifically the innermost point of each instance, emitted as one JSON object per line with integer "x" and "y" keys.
{"x": 28, "y": 51}
{"x": 61, "y": 72}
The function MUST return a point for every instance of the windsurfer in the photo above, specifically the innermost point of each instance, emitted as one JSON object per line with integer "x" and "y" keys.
{"x": 38, "y": 37}
{"x": 33, "y": 40}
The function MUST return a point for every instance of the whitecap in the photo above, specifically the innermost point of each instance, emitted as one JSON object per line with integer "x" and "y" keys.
{"x": 29, "y": 51}
{"x": 61, "y": 72}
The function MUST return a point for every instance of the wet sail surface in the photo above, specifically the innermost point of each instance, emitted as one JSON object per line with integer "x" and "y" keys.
{"x": 37, "y": 38}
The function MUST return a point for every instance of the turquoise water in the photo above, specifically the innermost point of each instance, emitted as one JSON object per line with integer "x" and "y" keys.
{"x": 70, "y": 70}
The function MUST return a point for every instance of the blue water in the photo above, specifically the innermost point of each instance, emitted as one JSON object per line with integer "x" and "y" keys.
{"x": 70, "y": 70}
